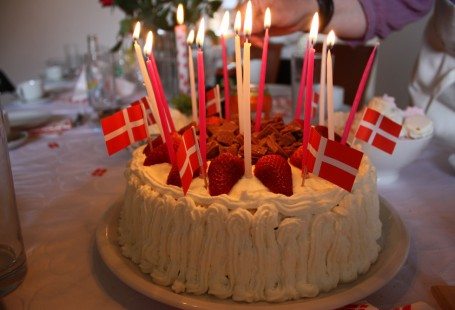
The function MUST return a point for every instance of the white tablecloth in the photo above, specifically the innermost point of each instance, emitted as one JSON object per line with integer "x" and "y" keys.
{"x": 61, "y": 203}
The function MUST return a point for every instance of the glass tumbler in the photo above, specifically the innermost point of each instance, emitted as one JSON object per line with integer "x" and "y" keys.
{"x": 12, "y": 254}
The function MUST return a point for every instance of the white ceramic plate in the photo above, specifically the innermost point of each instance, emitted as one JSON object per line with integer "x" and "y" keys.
{"x": 17, "y": 140}
{"x": 394, "y": 241}
{"x": 28, "y": 118}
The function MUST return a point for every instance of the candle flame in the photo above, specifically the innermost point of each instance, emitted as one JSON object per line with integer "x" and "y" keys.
{"x": 137, "y": 30}
{"x": 201, "y": 33}
{"x": 248, "y": 22}
{"x": 224, "y": 24}
{"x": 267, "y": 18}
{"x": 148, "y": 43}
{"x": 238, "y": 22}
{"x": 314, "y": 28}
{"x": 180, "y": 17}
{"x": 331, "y": 39}
{"x": 190, "y": 38}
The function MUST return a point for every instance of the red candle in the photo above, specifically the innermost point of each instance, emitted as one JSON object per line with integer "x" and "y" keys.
{"x": 265, "y": 48}
{"x": 227, "y": 96}
{"x": 159, "y": 103}
{"x": 358, "y": 95}
{"x": 298, "y": 107}
{"x": 201, "y": 90}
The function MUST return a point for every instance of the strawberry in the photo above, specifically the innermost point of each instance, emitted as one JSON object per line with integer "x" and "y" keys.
{"x": 173, "y": 177}
{"x": 224, "y": 172}
{"x": 275, "y": 173}
{"x": 159, "y": 154}
{"x": 297, "y": 157}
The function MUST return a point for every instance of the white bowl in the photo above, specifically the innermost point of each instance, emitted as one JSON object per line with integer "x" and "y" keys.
{"x": 388, "y": 166}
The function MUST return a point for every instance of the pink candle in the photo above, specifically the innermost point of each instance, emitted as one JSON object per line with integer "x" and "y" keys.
{"x": 160, "y": 93}
{"x": 298, "y": 107}
{"x": 162, "y": 115}
{"x": 309, "y": 88}
{"x": 358, "y": 96}
{"x": 227, "y": 99}
{"x": 308, "y": 101}
{"x": 201, "y": 90}
{"x": 265, "y": 48}
{"x": 227, "y": 96}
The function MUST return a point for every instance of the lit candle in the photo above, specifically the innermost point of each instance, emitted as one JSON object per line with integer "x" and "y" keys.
{"x": 265, "y": 47}
{"x": 238, "y": 67}
{"x": 330, "y": 125}
{"x": 161, "y": 113}
{"x": 190, "y": 41}
{"x": 322, "y": 84}
{"x": 303, "y": 74}
{"x": 247, "y": 28}
{"x": 309, "y": 86}
{"x": 146, "y": 78}
{"x": 180, "y": 41}
{"x": 358, "y": 95}
{"x": 159, "y": 90}
{"x": 227, "y": 98}
{"x": 201, "y": 90}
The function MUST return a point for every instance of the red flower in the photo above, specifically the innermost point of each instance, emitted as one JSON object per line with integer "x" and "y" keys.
{"x": 107, "y": 2}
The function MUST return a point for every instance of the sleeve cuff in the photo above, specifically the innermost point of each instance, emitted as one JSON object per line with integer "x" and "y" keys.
{"x": 371, "y": 17}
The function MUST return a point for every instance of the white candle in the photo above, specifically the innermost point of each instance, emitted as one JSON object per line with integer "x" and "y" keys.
{"x": 322, "y": 84}
{"x": 146, "y": 78}
{"x": 180, "y": 42}
{"x": 246, "y": 93}
{"x": 238, "y": 68}
{"x": 194, "y": 106}
{"x": 330, "y": 125}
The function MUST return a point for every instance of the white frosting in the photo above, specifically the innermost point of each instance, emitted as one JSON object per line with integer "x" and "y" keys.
{"x": 249, "y": 245}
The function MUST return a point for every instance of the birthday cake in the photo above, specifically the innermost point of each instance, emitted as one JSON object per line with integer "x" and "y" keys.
{"x": 264, "y": 238}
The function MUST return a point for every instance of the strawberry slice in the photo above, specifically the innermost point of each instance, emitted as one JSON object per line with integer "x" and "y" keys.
{"x": 297, "y": 157}
{"x": 159, "y": 154}
{"x": 275, "y": 173}
{"x": 224, "y": 172}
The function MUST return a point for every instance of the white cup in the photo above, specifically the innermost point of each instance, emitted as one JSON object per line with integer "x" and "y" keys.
{"x": 30, "y": 90}
{"x": 53, "y": 73}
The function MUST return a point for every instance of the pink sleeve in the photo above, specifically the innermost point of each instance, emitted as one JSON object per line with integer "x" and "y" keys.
{"x": 385, "y": 16}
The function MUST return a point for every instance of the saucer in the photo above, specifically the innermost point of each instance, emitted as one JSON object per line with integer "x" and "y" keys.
{"x": 28, "y": 118}
{"x": 16, "y": 139}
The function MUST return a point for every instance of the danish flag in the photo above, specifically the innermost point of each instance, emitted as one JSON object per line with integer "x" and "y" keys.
{"x": 144, "y": 101}
{"x": 213, "y": 101}
{"x": 188, "y": 158}
{"x": 332, "y": 161}
{"x": 123, "y": 128}
{"x": 378, "y": 130}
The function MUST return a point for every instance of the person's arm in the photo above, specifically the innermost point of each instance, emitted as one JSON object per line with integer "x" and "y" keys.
{"x": 352, "y": 19}
{"x": 384, "y": 17}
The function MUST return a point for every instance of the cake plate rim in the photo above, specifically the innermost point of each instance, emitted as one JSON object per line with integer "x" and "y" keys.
{"x": 394, "y": 241}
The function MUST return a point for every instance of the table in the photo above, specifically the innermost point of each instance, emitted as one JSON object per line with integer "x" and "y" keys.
{"x": 62, "y": 193}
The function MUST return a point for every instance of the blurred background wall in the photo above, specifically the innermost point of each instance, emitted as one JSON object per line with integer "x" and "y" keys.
{"x": 35, "y": 31}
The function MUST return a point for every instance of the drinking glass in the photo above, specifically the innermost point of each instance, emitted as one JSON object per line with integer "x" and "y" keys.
{"x": 12, "y": 254}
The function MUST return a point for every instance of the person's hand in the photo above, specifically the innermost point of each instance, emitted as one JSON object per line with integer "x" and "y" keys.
{"x": 287, "y": 15}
